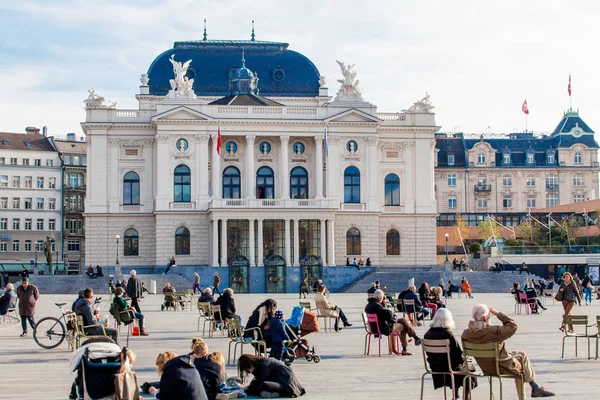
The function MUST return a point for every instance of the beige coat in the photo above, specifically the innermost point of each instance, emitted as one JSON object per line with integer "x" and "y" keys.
{"x": 324, "y": 307}
{"x": 494, "y": 333}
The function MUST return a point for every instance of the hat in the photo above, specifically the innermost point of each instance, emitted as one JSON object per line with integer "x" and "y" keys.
{"x": 25, "y": 279}
{"x": 279, "y": 314}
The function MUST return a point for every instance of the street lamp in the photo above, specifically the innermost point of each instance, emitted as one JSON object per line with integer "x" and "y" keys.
{"x": 117, "y": 266}
{"x": 446, "y": 235}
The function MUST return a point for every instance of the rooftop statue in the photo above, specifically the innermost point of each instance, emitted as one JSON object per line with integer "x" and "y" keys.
{"x": 181, "y": 86}
{"x": 422, "y": 106}
{"x": 349, "y": 83}
{"x": 96, "y": 101}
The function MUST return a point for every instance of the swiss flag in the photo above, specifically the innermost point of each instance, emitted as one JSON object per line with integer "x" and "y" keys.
{"x": 524, "y": 108}
{"x": 219, "y": 140}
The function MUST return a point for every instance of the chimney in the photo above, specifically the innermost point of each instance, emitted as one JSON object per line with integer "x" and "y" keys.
{"x": 71, "y": 137}
{"x": 32, "y": 130}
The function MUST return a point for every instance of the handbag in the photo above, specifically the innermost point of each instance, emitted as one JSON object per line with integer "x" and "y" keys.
{"x": 126, "y": 386}
{"x": 559, "y": 295}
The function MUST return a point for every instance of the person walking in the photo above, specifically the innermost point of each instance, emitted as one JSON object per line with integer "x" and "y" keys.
{"x": 216, "y": 283}
{"x": 134, "y": 290}
{"x": 570, "y": 294}
{"x": 28, "y": 295}
{"x": 196, "y": 284}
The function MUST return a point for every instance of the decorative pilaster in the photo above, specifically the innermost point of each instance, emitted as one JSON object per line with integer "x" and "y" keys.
{"x": 114, "y": 175}
{"x": 331, "y": 242}
{"x": 323, "y": 242}
{"x": 260, "y": 244}
{"x": 284, "y": 172}
{"x": 252, "y": 242}
{"x": 372, "y": 162}
{"x": 223, "y": 243}
{"x": 215, "y": 167}
{"x": 296, "y": 242}
{"x": 250, "y": 174}
{"x": 163, "y": 172}
{"x": 202, "y": 166}
{"x": 286, "y": 228}
{"x": 319, "y": 167}
{"x": 215, "y": 242}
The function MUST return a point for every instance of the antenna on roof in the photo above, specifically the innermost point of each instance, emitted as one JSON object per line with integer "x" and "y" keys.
{"x": 204, "y": 37}
{"x": 252, "y": 39}
{"x": 243, "y": 59}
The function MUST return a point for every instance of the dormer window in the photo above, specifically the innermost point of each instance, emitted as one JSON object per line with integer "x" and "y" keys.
{"x": 577, "y": 158}
{"x": 530, "y": 158}
{"x": 481, "y": 158}
{"x": 450, "y": 159}
{"x": 506, "y": 159}
{"x": 550, "y": 159}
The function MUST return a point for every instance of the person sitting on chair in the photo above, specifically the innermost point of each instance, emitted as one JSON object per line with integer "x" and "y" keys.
{"x": 207, "y": 297}
{"x": 123, "y": 306}
{"x": 330, "y": 310}
{"x": 514, "y": 363}
{"x": 227, "y": 304}
{"x": 83, "y": 308}
{"x": 421, "y": 312}
{"x": 8, "y": 299}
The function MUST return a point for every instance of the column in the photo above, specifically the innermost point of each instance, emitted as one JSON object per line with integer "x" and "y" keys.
{"x": 334, "y": 179}
{"x": 323, "y": 242}
{"x": 163, "y": 172}
{"x": 202, "y": 166}
{"x": 284, "y": 172}
{"x": 250, "y": 174}
{"x": 286, "y": 228}
{"x": 296, "y": 242}
{"x": 408, "y": 185}
{"x": 216, "y": 169}
{"x": 372, "y": 174}
{"x": 223, "y": 243}
{"x": 331, "y": 242}
{"x": 215, "y": 243}
{"x": 251, "y": 242}
{"x": 260, "y": 245}
{"x": 114, "y": 175}
{"x": 319, "y": 167}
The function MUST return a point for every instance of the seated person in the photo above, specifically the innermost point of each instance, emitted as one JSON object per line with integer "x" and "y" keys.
{"x": 123, "y": 306}
{"x": 442, "y": 326}
{"x": 412, "y": 295}
{"x": 162, "y": 359}
{"x": 388, "y": 323}
{"x": 466, "y": 288}
{"x": 83, "y": 308}
{"x": 272, "y": 378}
{"x": 111, "y": 286}
{"x": 227, "y": 304}
{"x": 180, "y": 380}
{"x": 451, "y": 289}
{"x": 372, "y": 290}
{"x": 330, "y": 310}
{"x": 171, "y": 297}
{"x": 209, "y": 370}
{"x": 90, "y": 272}
{"x": 426, "y": 298}
{"x": 260, "y": 318}
{"x": 515, "y": 363}
{"x": 145, "y": 289}
{"x": 99, "y": 271}
{"x": 207, "y": 297}
{"x": 400, "y": 305}
{"x": 8, "y": 299}
{"x": 435, "y": 295}
{"x": 532, "y": 294}
{"x": 316, "y": 285}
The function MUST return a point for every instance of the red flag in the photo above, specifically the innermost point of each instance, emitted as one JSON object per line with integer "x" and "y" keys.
{"x": 219, "y": 140}
{"x": 569, "y": 88}
{"x": 524, "y": 108}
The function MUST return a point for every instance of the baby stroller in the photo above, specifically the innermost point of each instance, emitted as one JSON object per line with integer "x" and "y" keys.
{"x": 300, "y": 324}
{"x": 96, "y": 363}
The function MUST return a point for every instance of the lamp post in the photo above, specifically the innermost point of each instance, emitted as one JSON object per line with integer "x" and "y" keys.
{"x": 117, "y": 266}
{"x": 446, "y": 235}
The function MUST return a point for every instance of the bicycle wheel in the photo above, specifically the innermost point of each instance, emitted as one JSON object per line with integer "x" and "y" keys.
{"x": 49, "y": 332}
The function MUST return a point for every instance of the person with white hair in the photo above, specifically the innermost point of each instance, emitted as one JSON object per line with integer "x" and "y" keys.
{"x": 442, "y": 326}
{"x": 516, "y": 362}
{"x": 134, "y": 290}
{"x": 412, "y": 295}
{"x": 388, "y": 323}
{"x": 207, "y": 296}
{"x": 372, "y": 289}
{"x": 8, "y": 299}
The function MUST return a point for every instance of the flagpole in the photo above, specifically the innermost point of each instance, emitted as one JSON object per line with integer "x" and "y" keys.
{"x": 526, "y": 123}
{"x": 570, "y": 97}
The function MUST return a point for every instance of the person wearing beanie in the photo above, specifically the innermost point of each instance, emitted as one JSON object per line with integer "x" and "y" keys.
{"x": 28, "y": 295}
{"x": 279, "y": 335}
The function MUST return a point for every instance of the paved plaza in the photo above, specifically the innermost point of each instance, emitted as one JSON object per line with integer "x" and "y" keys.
{"x": 344, "y": 372}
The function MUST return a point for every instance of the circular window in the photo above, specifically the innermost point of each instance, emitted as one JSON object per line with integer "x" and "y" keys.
{"x": 577, "y": 132}
{"x": 278, "y": 74}
{"x": 351, "y": 146}
{"x": 264, "y": 148}
{"x": 231, "y": 148}
{"x": 298, "y": 148}
{"x": 182, "y": 145}
{"x": 191, "y": 73}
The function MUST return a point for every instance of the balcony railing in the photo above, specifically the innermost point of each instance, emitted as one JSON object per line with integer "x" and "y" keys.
{"x": 76, "y": 209}
{"x": 271, "y": 203}
{"x": 182, "y": 206}
{"x": 74, "y": 232}
{"x": 353, "y": 206}
{"x": 132, "y": 208}
{"x": 483, "y": 188}
{"x": 75, "y": 187}
{"x": 552, "y": 187}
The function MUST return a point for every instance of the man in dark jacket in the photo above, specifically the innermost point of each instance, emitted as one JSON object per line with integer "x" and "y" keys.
{"x": 181, "y": 381}
{"x": 388, "y": 323}
{"x": 28, "y": 295}
{"x": 8, "y": 299}
{"x": 134, "y": 290}
{"x": 83, "y": 308}
{"x": 227, "y": 304}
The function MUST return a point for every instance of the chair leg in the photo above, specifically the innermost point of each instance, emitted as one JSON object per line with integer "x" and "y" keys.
{"x": 422, "y": 384}
{"x": 369, "y": 348}
{"x": 563, "y": 347}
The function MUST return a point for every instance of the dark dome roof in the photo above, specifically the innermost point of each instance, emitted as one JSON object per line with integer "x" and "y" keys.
{"x": 281, "y": 72}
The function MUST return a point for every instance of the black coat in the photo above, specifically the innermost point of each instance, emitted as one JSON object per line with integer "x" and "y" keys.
{"x": 227, "y": 304}
{"x": 439, "y": 362}
{"x": 8, "y": 300}
{"x": 134, "y": 287}
{"x": 180, "y": 381}
{"x": 210, "y": 373}
{"x": 272, "y": 370}
{"x": 206, "y": 298}
{"x": 385, "y": 317}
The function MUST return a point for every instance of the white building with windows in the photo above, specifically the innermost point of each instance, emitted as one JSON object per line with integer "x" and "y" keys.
{"x": 30, "y": 196}
{"x": 218, "y": 167}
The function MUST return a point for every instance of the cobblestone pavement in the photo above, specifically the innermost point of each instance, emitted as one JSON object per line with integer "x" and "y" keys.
{"x": 28, "y": 371}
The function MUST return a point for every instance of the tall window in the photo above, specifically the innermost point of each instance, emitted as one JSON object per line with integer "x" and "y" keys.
{"x": 182, "y": 187}
{"x": 530, "y": 202}
{"x": 550, "y": 159}
{"x": 265, "y": 183}
{"x": 551, "y": 200}
{"x": 131, "y": 243}
{"x": 451, "y": 179}
{"x": 352, "y": 185}
{"x": 507, "y": 201}
{"x": 577, "y": 180}
{"x": 182, "y": 241}
{"x": 392, "y": 190}
{"x": 578, "y": 198}
{"x": 131, "y": 189}
{"x": 392, "y": 243}
{"x": 231, "y": 183}
{"x": 450, "y": 159}
{"x": 353, "y": 242}
{"x": 530, "y": 158}
{"x": 298, "y": 183}
{"x": 482, "y": 202}
{"x": 452, "y": 202}
{"x": 577, "y": 158}
{"x": 530, "y": 181}
{"x": 551, "y": 181}
{"x": 507, "y": 180}
{"x": 481, "y": 158}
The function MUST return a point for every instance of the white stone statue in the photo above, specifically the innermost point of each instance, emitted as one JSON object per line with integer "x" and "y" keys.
{"x": 349, "y": 89}
{"x": 94, "y": 100}
{"x": 181, "y": 86}
{"x": 144, "y": 79}
{"x": 322, "y": 81}
{"x": 352, "y": 149}
{"x": 265, "y": 149}
{"x": 422, "y": 106}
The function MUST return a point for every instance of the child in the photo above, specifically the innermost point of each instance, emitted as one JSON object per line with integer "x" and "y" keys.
{"x": 279, "y": 335}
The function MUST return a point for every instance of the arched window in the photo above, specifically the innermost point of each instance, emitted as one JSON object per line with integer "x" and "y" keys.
{"x": 265, "y": 183}
{"x": 298, "y": 183}
{"x": 577, "y": 158}
{"x": 182, "y": 241}
{"x": 392, "y": 190}
{"x": 353, "y": 242}
{"x": 392, "y": 243}
{"x": 352, "y": 185}
{"x": 131, "y": 189}
{"x": 231, "y": 183}
{"x": 182, "y": 187}
{"x": 131, "y": 243}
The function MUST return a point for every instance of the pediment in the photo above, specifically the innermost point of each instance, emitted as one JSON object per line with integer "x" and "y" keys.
{"x": 353, "y": 115}
{"x": 181, "y": 114}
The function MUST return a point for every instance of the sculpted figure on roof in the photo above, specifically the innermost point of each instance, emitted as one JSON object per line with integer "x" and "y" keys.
{"x": 422, "y": 106}
{"x": 181, "y": 86}
{"x": 349, "y": 83}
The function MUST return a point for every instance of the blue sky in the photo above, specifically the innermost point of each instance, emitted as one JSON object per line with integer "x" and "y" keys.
{"x": 477, "y": 61}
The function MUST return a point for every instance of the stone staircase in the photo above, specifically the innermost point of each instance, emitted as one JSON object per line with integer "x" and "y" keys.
{"x": 62, "y": 284}
{"x": 395, "y": 279}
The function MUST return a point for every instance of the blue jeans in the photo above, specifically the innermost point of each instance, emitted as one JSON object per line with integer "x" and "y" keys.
{"x": 140, "y": 318}
{"x": 588, "y": 295}
{"x": 276, "y": 350}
